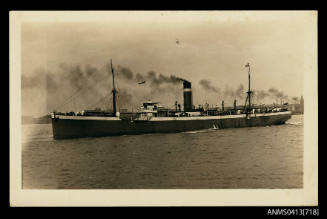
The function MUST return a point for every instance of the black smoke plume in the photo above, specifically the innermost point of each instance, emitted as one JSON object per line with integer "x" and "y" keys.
{"x": 75, "y": 87}
{"x": 277, "y": 95}
{"x": 240, "y": 92}
{"x": 261, "y": 94}
{"x": 206, "y": 85}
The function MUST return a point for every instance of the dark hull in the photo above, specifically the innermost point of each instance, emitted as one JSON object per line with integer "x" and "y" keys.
{"x": 75, "y": 128}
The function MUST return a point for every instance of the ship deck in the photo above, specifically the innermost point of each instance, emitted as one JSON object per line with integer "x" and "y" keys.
{"x": 173, "y": 118}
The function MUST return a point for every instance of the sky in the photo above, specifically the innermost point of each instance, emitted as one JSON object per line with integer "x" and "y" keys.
{"x": 211, "y": 46}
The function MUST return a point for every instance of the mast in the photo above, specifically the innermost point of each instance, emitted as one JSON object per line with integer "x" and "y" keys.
{"x": 114, "y": 91}
{"x": 249, "y": 91}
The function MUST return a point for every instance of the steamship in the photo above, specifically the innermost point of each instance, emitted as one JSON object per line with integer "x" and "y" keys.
{"x": 153, "y": 118}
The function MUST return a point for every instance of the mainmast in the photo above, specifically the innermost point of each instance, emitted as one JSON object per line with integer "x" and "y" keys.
{"x": 249, "y": 91}
{"x": 114, "y": 91}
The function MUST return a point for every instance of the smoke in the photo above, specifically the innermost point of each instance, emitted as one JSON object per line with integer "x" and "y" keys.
{"x": 275, "y": 93}
{"x": 74, "y": 74}
{"x": 278, "y": 95}
{"x": 71, "y": 87}
{"x": 151, "y": 77}
{"x": 206, "y": 85}
{"x": 67, "y": 87}
{"x": 157, "y": 80}
{"x": 229, "y": 93}
{"x": 240, "y": 91}
{"x": 151, "y": 85}
{"x": 76, "y": 87}
{"x": 28, "y": 82}
{"x": 125, "y": 73}
{"x": 124, "y": 98}
{"x": 273, "y": 90}
{"x": 261, "y": 94}
{"x": 139, "y": 77}
{"x": 295, "y": 99}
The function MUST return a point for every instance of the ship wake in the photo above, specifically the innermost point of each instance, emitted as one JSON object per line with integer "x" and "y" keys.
{"x": 294, "y": 123}
{"x": 201, "y": 131}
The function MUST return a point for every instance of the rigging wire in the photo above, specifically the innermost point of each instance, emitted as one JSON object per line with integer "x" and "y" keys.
{"x": 99, "y": 101}
{"x": 69, "y": 99}
{"x": 78, "y": 91}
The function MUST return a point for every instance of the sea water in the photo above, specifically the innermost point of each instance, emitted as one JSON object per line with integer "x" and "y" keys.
{"x": 256, "y": 157}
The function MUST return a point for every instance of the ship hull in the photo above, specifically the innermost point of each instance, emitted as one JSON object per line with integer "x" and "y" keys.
{"x": 77, "y": 127}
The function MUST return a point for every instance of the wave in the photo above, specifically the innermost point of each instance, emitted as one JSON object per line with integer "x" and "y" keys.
{"x": 200, "y": 131}
{"x": 294, "y": 123}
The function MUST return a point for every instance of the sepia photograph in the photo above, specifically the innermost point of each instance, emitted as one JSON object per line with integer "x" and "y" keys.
{"x": 179, "y": 107}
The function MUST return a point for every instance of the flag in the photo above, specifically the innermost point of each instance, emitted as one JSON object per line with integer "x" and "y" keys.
{"x": 247, "y": 65}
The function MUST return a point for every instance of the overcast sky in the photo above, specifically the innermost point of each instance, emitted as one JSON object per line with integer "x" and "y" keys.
{"x": 214, "y": 47}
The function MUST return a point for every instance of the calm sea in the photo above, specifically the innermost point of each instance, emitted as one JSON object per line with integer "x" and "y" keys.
{"x": 257, "y": 157}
